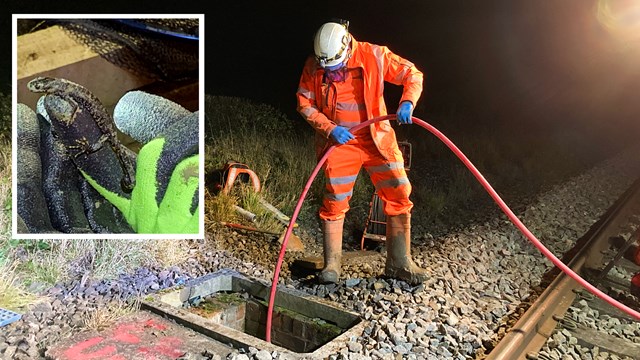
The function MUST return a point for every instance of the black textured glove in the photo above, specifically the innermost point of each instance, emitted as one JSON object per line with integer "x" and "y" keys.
{"x": 52, "y": 194}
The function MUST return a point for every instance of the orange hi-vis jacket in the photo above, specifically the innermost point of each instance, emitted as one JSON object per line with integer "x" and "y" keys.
{"x": 378, "y": 65}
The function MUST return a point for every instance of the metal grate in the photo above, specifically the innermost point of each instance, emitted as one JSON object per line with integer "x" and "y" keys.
{"x": 8, "y": 316}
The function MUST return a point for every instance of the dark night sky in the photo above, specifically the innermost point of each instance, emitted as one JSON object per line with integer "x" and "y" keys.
{"x": 497, "y": 60}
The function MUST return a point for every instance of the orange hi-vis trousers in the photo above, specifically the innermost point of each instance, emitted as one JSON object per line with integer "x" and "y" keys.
{"x": 388, "y": 176}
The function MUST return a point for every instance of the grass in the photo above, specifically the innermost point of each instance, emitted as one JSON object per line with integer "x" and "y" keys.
{"x": 5, "y": 116}
{"x": 220, "y": 208}
{"x": 263, "y": 139}
{"x": 43, "y": 271}
{"x": 5, "y": 189}
{"x": 37, "y": 268}
{"x": 268, "y": 143}
{"x": 105, "y": 259}
{"x": 105, "y": 316}
{"x": 13, "y": 296}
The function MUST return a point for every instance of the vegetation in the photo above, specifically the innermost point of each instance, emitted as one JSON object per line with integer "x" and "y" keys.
{"x": 5, "y": 189}
{"x": 47, "y": 262}
{"x": 5, "y": 117}
{"x": 103, "y": 317}
{"x": 13, "y": 295}
{"x": 262, "y": 138}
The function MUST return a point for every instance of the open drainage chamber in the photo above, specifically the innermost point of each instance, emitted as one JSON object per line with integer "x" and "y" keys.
{"x": 232, "y": 308}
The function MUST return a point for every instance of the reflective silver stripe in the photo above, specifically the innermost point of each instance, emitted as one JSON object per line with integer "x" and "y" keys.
{"x": 377, "y": 51}
{"x": 342, "y": 180}
{"x": 309, "y": 110}
{"x": 413, "y": 78}
{"x": 386, "y": 167}
{"x": 347, "y": 124}
{"x": 307, "y": 93}
{"x": 392, "y": 183}
{"x": 350, "y": 106}
{"x": 401, "y": 75}
{"x": 338, "y": 197}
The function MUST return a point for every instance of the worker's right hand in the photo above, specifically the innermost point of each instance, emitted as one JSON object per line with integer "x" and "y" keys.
{"x": 341, "y": 135}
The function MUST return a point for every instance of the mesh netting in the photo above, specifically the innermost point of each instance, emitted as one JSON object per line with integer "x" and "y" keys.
{"x": 165, "y": 49}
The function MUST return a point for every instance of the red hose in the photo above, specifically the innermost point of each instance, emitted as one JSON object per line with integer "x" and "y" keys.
{"x": 514, "y": 219}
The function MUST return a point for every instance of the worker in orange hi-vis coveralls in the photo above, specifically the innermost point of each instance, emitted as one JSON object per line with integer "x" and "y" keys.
{"x": 340, "y": 87}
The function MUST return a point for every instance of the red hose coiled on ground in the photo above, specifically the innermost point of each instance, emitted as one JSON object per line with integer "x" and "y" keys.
{"x": 514, "y": 219}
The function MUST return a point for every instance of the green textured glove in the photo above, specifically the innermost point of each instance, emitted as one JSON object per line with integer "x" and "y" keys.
{"x": 158, "y": 191}
{"x": 166, "y": 196}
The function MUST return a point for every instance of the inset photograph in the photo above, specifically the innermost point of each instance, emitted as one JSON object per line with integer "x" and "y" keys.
{"x": 107, "y": 127}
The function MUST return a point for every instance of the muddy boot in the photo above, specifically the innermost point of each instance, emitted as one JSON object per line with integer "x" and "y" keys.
{"x": 332, "y": 251}
{"x": 399, "y": 264}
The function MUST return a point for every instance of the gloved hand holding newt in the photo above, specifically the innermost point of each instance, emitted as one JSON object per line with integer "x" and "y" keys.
{"x": 75, "y": 176}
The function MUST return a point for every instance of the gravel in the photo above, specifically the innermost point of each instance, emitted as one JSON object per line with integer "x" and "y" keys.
{"x": 481, "y": 278}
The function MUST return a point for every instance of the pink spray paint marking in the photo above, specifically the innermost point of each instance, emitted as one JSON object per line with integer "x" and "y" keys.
{"x": 125, "y": 338}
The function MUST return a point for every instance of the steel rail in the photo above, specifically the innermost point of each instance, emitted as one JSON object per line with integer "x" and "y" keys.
{"x": 531, "y": 331}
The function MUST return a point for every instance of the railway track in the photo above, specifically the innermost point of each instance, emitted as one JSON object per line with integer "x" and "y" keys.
{"x": 483, "y": 278}
{"x": 568, "y": 322}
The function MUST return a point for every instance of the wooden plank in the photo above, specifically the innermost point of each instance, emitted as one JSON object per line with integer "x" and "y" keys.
{"x": 52, "y": 52}
{"x": 317, "y": 262}
{"x": 47, "y": 49}
{"x": 609, "y": 343}
{"x": 604, "y": 307}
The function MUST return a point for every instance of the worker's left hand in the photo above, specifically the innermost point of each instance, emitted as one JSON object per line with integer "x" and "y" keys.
{"x": 164, "y": 198}
{"x": 405, "y": 112}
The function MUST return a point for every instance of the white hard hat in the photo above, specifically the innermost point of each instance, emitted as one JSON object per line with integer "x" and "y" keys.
{"x": 330, "y": 44}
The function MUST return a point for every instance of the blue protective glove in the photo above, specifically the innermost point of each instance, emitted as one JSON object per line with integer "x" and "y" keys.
{"x": 405, "y": 111}
{"x": 341, "y": 135}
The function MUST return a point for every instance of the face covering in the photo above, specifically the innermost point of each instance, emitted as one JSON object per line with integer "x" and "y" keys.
{"x": 335, "y": 73}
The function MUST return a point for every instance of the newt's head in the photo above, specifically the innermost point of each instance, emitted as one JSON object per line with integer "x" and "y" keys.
{"x": 40, "y": 84}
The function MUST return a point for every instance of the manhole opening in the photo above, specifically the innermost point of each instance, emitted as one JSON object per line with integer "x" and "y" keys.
{"x": 289, "y": 329}
{"x": 232, "y": 308}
